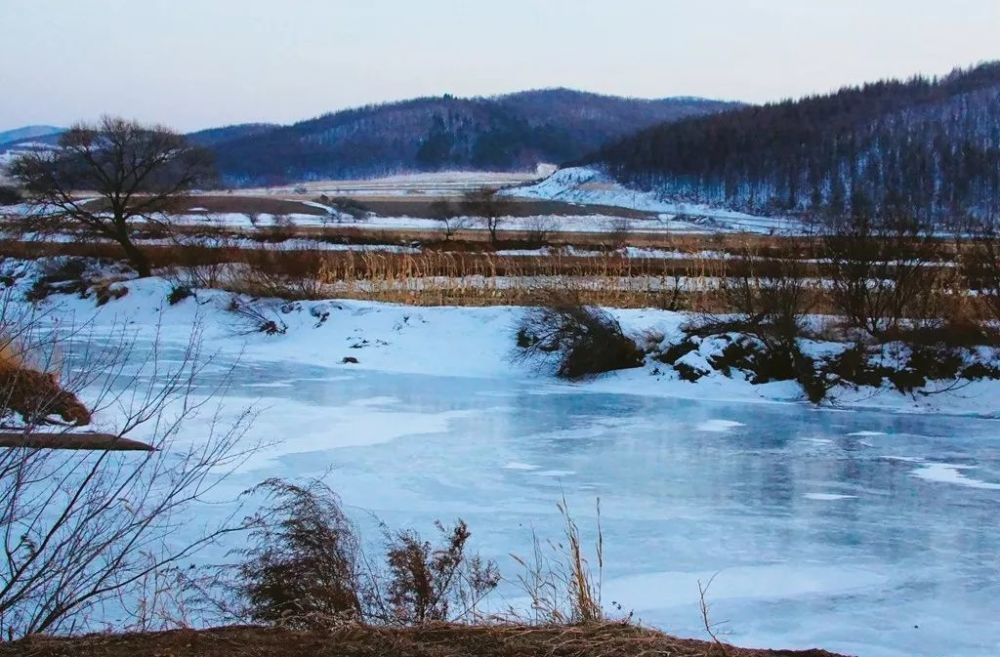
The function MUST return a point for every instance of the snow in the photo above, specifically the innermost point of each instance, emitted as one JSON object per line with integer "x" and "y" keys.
{"x": 718, "y": 426}
{"x": 625, "y": 252}
{"x": 587, "y": 186}
{"x": 439, "y": 183}
{"x": 949, "y": 473}
{"x": 828, "y": 497}
{"x": 821, "y": 527}
{"x": 594, "y": 223}
{"x": 478, "y": 343}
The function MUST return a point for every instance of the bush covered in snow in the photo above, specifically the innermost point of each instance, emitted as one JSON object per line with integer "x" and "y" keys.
{"x": 81, "y": 276}
{"x": 580, "y": 340}
{"x": 821, "y": 367}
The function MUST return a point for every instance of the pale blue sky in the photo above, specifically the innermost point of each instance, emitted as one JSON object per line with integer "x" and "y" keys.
{"x": 200, "y": 63}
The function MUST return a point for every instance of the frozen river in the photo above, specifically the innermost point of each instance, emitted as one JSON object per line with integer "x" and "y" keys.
{"x": 867, "y": 533}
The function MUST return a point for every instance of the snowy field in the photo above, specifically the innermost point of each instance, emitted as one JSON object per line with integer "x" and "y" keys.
{"x": 569, "y": 223}
{"x": 867, "y": 527}
{"x": 574, "y": 186}
{"x": 443, "y": 183}
{"x": 563, "y": 223}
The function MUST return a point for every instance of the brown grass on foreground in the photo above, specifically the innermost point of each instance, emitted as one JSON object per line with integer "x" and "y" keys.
{"x": 435, "y": 640}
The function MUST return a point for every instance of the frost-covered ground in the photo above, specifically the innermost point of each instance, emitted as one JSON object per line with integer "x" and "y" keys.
{"x": 575, "y": 186}
{"x": 478, "y": 342}
{"x": 568, "y": 223}
{"x": 863, "y": 528}
{"x": 438, "y": 183}
{"x": 552, "y": 223}
{"x": 591, "y": 187}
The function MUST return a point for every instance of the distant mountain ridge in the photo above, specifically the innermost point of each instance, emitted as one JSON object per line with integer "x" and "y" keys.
{"x": 28, "y": 132}
{"x": 921, "y": 147}
{"x": 213, "y": 136}
{"x": 503, "y": 133}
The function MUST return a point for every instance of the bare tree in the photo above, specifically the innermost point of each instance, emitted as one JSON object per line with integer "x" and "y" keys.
{"x": 449, "y": 215}
{"x": 488, "y": 205}
{"x": 620, "y": 232}
{"x": 767, "y": 298}
{"x": 880, "y": 268}
{"x": 138, "y": 172}
{"x": 539, "y": 229}
{"x": 84, "y": 529}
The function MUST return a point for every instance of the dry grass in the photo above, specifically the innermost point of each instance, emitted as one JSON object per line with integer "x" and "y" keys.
{"x": 434, "y": 640}
{"x": 12, "y": 355}
{"x": 470, "y": 273}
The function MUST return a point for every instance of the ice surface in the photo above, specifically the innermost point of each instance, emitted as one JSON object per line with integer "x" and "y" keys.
{"x": 815, "y": 537}
{"x": 861, "y": 531}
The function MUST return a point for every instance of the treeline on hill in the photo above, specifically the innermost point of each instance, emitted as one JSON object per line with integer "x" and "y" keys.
{"x": 513, "y": 132}
{"x": 924, "y": 147}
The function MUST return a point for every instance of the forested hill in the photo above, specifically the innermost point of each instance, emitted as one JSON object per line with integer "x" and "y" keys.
{"x": 513, "y": 132}
{"x": 923, "y": 147}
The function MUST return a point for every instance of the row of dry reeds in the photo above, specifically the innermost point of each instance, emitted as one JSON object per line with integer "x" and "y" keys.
{"x": 689, "y": 280}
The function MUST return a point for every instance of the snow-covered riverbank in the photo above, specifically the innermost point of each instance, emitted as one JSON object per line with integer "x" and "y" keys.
{"x": 809, "y": 519}
{"x": 464, "y": 342}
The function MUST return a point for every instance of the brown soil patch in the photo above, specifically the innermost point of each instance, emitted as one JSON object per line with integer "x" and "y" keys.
{"x": 610, "y": 640}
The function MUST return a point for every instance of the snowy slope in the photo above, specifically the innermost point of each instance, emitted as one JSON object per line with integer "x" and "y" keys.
{"x": 456, "y": 342}
{"x": 588, "y": 186}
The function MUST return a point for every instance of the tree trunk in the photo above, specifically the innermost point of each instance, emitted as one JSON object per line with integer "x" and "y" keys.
{"x": 136, "y": 257}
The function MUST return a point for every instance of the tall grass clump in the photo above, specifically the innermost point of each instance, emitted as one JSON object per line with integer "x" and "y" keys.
{"x": 304, "y": 567}
{"x": 301, "y": 565}
{"x": 559, "y": 579}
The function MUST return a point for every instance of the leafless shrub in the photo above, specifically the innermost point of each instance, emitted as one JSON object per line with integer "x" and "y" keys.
{"x": 538, "y": 229}
{"x": 60, "y": 275}
{"x": 769, "y": 298}
{"x": 287, "y": 274}
{"x": 197, "y": 267}
{"x": 582, "y": 340}
{"x": 282, "y": 228}
{"x": 879, "y": 269}
{"x": 450, "y": 216}
{"x": 255, "y": 317}
{"x": 301, "y": 568}
{"x": 620, "y": 232}
{"x": 706, "y": 621}
{"x": 428, "y": 583}
{"x": 81, "y": 529}
{"x": 304, "y": 568}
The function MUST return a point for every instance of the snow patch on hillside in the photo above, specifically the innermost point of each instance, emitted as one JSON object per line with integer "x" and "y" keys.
{"x": 587, "y": 186}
